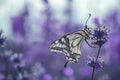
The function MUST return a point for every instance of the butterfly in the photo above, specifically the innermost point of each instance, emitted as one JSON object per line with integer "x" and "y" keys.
{"x": 70, "y": 44}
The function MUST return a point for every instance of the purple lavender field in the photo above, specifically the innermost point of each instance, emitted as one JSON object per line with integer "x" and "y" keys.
{"x": 28, "y": 27}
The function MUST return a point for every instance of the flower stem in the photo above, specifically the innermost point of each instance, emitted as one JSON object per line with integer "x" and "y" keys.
{"x": 98, "y": 53}
{"x": 93, "y": 71}
{"x": 6, "y": 69}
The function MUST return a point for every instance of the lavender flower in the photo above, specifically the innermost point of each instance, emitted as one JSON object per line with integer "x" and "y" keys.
{"x": 38, "y": 70}
{"x": 6, "y": 54}
{"x": 96, "y": 21}
{"x": 23, "y": 76}
{"x": 100, "y": 35}
{"x": 5, "y": 57}
{"x": 2, "y": 38}
{"x": 17, "y": 60}
{"x": 93, "y": 63}
{"x": 68, "y": 72}
{"x": 1, "y": 76}
{"x": 46, "y": 1}
{"x": 47, "y": 77}
{"x": 19, "y": 65}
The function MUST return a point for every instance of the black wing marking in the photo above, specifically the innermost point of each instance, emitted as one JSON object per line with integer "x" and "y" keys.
{"x": 61, "y": 45}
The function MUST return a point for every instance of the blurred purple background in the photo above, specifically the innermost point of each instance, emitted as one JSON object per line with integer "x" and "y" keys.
{"x": 32, "y": 25}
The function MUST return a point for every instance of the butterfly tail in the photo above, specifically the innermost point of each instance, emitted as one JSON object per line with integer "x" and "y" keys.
{"x": 65, "y": 65}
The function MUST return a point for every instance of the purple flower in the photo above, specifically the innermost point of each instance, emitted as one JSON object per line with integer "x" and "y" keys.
{"x": 47, "y": 77}
{"x": 16, "y": 58}
{"x": 96, "y": 21}
{"x": 38, "y": 70}
{"x": 6, "y": 54}
{"x": 2, "y": 38}
{"x": 93, "y": 63}
{"x": 19, "y": 65}
{"x": 99, "y": 36}
{"x": 23, "y": 76}
{"x": 19, "y": 21}
{"x": 1, "y": 76}
{"x": 68, "y": 71}
{"x": 46, "y": 1}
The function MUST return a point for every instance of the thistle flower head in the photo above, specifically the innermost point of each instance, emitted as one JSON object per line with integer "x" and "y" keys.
{"x": 93, "y": 63}
{"x": 99, "y": 35}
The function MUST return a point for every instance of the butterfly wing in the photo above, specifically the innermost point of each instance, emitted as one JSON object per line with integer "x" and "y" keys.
{"x": 69, "y": 45}
{"x": 89, "y": 42}
{"x": 61, "y": 46}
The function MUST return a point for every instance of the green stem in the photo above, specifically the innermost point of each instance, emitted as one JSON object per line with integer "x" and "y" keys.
{"x": 93, "y": 71}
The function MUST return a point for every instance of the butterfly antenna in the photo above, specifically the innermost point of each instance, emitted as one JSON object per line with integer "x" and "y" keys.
{"x": 87, "y": 19}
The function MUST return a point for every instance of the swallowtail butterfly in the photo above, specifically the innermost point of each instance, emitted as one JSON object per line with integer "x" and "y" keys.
{"x": 70, "y": 44}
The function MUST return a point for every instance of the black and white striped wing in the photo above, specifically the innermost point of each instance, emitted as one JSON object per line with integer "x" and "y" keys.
{"x": 68, "y": 44}
{"x": 61, "y": 46}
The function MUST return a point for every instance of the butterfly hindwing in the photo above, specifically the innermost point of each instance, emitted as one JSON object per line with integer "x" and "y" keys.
{"x": 61, "y": 46}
